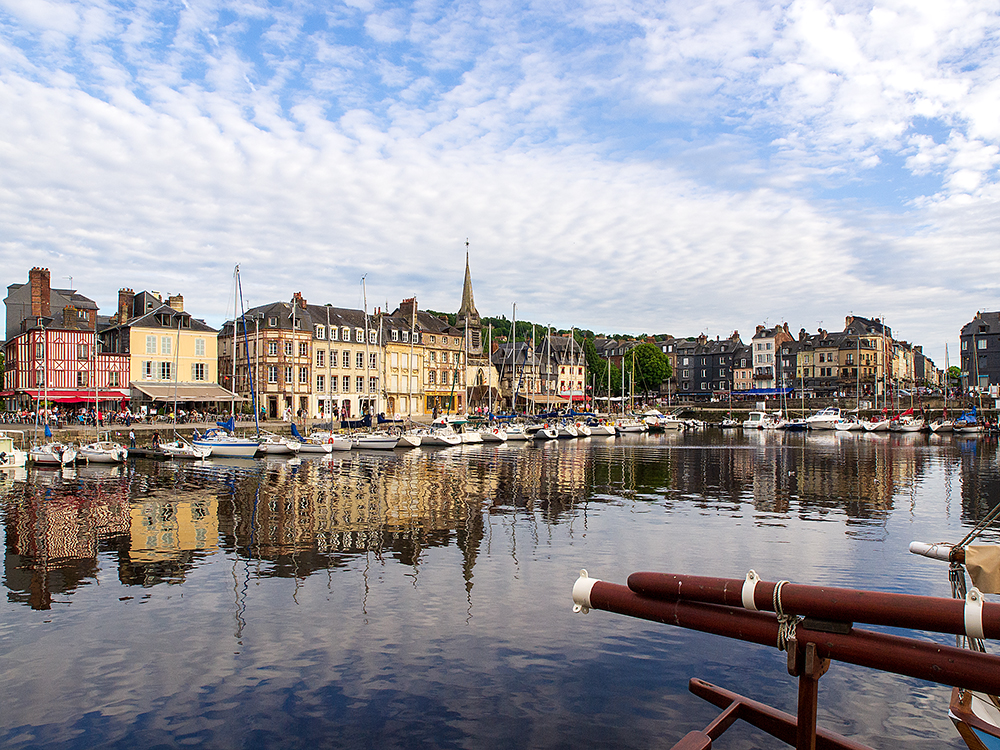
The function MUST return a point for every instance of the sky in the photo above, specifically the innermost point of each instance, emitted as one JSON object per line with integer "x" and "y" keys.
{"x": 661, "y": 167}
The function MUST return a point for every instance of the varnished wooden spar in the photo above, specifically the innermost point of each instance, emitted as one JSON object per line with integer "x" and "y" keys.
{"x": 826, "y": 603}
{"x": 933, "y": 662}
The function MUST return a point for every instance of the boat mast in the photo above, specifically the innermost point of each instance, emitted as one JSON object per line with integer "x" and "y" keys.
{"x": 329, "y": 364}
{"x": 409, "y": 367}
{"x": 513, "y": 359}
{"x": 489, "y": 350}
{"x": 367, "y": 383}
{"x": 232, "y": 401}
{"x": 177, "y": 355}
{"x": 97, "y": 407}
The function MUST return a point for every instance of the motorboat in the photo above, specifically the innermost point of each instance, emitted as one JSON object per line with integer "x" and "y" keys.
{"x": 378, "y": 441}
{"x": 630, "y": 426}
{"x": 103, "y": 452}
{"x": 10, "y": 455}
{"x": 226, "y": 445}
{"x": 754, "y": 420}
{"x": 793, "y": 425}
{"x": 824, "y": 419}
{"x": 180, "y": 448}
{"x": 52, "y": 454}
{"x": 728, "y": 423}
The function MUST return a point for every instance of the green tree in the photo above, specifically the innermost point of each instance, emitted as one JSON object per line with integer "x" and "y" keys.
{"x": 954, "y": 374}
{"x": 649, "y": 365}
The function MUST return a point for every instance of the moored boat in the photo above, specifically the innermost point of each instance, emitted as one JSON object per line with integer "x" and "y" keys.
{"x": 224, "y": 445}
{"x": 180, "y": 448}
{"x": 52, "y": 454}
{"x": 11, "y": 456}
{"x": 824, "y": 419}
{"x": 103, "y": 452}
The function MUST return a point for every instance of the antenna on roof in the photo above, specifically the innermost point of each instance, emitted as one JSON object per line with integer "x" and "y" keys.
{"x": 70, "y": 281}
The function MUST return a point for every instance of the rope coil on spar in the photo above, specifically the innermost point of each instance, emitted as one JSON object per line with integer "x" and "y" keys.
{"x": 786, "y": 623}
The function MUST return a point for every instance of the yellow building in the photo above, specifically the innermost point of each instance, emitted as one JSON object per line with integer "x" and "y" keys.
{"x": 402, "y": 365}
{"x": 171, "y": 354}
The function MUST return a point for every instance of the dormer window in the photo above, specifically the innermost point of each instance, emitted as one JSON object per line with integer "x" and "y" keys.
{"x": 359, "y": 336}
{"x": 272, "y": 322}
{"x": 394, "y": 334}
{"x": 320, "y": 332}
{"x": 333, "y": 333}
{"x": 345, "y": 334}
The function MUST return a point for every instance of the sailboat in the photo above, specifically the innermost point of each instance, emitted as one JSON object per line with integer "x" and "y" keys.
{"x": 105, "y": 451}
{"x": 178, "y": 447}
{"x": 222, "y": 441}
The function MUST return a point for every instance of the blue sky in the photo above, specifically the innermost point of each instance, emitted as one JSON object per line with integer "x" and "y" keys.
{"x": 682, "y": 167}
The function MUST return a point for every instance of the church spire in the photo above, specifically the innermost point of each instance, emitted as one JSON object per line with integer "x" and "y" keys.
{"x": 468, "y": 308}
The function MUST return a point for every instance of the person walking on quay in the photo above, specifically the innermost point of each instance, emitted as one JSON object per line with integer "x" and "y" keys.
{"x": 131, "y": 438}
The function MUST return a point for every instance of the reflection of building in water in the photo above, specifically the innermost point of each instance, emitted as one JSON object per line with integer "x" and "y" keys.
{"x": 303, "y": 517}
{"x": 167, "y": 534}
{"x": 54, "y": 535}
{"x": 980, "y": 484}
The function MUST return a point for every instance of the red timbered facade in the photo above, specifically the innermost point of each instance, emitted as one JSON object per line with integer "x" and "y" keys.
{"x": 60, "y": 364}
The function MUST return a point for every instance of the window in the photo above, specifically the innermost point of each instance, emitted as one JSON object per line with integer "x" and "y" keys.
{"x": 333, "y": 333}
{"x": 303, "y": 348}
{"x": 333, "y": 382}
{"x": 320, "y": 358}
{"x": 83, "y": 351}
{"x": 345, "y": 335}
{"x": 685, "y": 360}
{"x": 272, "y": 322}
{"x": 165, "y": 344}
{"x": 320, "y": 332}
{"x": 981, "y": 344}
{"x": 272, "y": 373}
{"x": 433, "y": 358}
{"x": 743, "y": 363}
{"x": 113, "y": 380}
{"x": 272, "y": 348}
{"x": 288, "y": 375}
{"x": 166, "y": 370}
{"x": 359, "y": 360}
{"x": 288, "y": 348}
{"x": 303, "y": 374}
{"x": 394, "y": 334}
{"x": 199, "y": 347}
{"x": 406, "y": 336}
{"x": 454, "y": 377}
{"x": 81, "y": 379}
{"x": 433, "y": 339}
{"x": 359, "y": 384}
{"x": 359, "y": 335}
{"x": 704, "y": 374}
{"x": 686, "y": 374}
{"x": 373, "y": 385}
{"x": 320, "y": 383}
{"x": 768, "y": 346}
{"x": 458, "y": 358}
{"x": 432, "y": 377}
{"x": 346, "y": 383}
{"x": 198, "y": 371}
{"x": 151, "y": 345}
{"x": 347, "y": 360}
{"x": 147, "y": 370}
{"x": 372, "y": 337}
{"x": 373, "y": 360}
{"x": 965, "y": 345}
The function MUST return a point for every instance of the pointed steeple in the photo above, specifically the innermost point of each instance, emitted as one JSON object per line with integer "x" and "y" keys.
{"x": 468, "y": 317}
{"x": 468, "y": 308}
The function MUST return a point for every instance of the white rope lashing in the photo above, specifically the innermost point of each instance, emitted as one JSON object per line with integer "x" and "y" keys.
{"x": 786, "y": 623}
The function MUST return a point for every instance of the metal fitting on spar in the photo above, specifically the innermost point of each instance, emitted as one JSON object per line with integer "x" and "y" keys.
{"x": 581, "y": 592}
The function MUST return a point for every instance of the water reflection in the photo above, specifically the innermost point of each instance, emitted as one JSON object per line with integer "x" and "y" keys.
{"x": 304, "y": 516}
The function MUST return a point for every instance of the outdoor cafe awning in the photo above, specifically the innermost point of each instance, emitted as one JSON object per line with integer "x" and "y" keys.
{"x": 542, "y": 399}
{"x": 186, "y": 392}
{"x": 75, "y": 396}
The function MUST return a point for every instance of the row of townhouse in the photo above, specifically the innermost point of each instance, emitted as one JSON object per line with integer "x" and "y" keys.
{"x": 863, "y": 359}
{"x": 544, "y": 374}
{"x": 149, "y": 353}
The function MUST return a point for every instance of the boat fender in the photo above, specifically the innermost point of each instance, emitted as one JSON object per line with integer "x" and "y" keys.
{"x": 974, "y": 614}
{"x": 749, "y": 587}
{"x": 581, "y": 592}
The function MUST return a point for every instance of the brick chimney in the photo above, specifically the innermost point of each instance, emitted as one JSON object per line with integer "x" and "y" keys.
{"x": 760, "y": 329}
{"x": 847, "y": 321}
{"x": 408, "y": 308}
{"x": 125, "y": 304}
{"x": 176, "y": 302}
{"x": 40, "y": 292}
{"x": 299, "y": 300}
{"x": 71, "y": 317}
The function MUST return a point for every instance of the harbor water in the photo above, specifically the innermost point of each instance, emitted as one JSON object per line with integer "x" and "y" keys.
{"x": 421, "y": 599}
